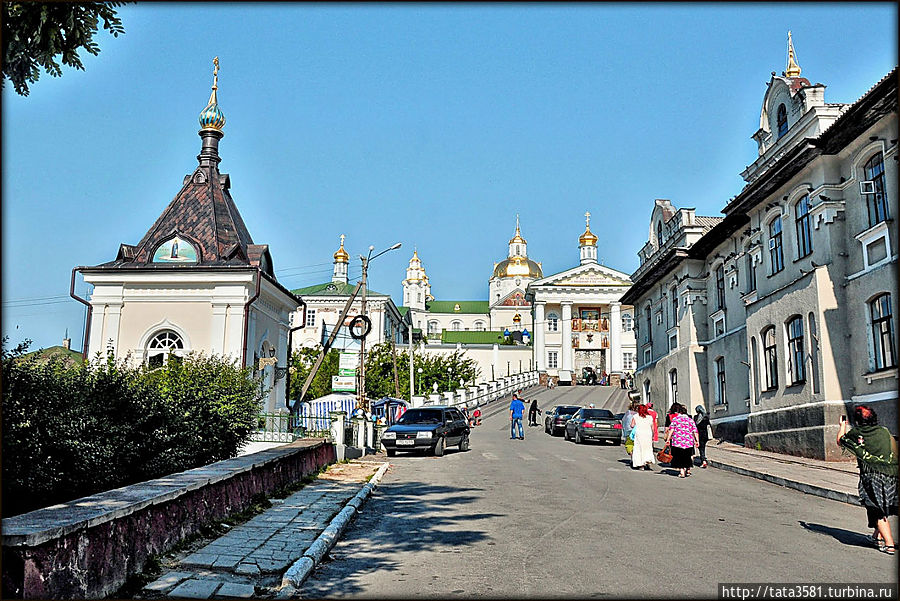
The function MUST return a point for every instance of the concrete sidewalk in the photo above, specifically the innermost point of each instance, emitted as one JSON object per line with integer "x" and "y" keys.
{"x": 835, "y": 480}
{"x": 254, "y": 559}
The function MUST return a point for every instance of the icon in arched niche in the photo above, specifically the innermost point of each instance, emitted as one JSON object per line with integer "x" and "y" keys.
{"x": 175, "y": 250}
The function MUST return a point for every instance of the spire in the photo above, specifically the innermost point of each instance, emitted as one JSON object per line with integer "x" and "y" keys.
{"x": 212, "y": 120}
{"x": 342, "y": 256}
{"x": 793, "y": 69}
{"x": 518, "y": 237}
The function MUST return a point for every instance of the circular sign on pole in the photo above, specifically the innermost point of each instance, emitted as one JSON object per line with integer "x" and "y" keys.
{"x": 360, "y": 326}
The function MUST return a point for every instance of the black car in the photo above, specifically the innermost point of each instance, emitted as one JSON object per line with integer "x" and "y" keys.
{"x": 556, "y": 419}
{"x": 594, "y": 424}
{"x": 432, "y": 429}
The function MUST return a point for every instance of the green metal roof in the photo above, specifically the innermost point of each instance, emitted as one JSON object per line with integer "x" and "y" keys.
{"x": 403, "y": 311}
{"x": 464, "y": 307}
{"x": 332, "y": 289}
{"x": 471, "y": 337}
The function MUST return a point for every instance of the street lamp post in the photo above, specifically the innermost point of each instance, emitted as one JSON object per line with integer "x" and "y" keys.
{"x": 362, "y": 401}
{"x": 449, "y": 375}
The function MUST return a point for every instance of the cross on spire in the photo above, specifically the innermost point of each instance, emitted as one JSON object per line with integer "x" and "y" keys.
{"x": 588, "y": 219}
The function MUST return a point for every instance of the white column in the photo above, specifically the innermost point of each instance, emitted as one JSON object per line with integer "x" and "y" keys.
{"x": 495, "y": 359}
{"x": 218, "y": 325}
{"x": 566, "y": 336}
{"x": 615, "y": 337}
{"x": 538, "y": 329}
{"x": 113, "y": 318}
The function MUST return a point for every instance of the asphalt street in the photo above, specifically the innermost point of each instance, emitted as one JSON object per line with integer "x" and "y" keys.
{"x": 542, "y": 517}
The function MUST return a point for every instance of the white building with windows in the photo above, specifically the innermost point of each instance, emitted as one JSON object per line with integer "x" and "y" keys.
{"x": 779, "y": 316}
{"x": 579, "y": 319}
{"x": 195, "y": 281}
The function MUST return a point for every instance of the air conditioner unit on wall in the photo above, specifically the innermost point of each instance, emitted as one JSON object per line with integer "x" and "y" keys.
{"x": 867, "y": 187}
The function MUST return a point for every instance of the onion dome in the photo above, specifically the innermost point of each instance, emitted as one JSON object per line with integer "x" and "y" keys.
{"x": 518, "y": 267}
{"x": 588, "y": 238}
{"x": 212, "y": 116}
{"x": 341, "y": 256}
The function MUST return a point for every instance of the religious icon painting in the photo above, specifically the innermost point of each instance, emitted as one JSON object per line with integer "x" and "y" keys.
{"x": 175, "y": 250}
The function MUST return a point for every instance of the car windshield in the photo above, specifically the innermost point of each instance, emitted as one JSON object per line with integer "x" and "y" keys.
{"x": 563, "y": 409}
{"x": 421, "y": 416}
{"x": 597, "y": 413}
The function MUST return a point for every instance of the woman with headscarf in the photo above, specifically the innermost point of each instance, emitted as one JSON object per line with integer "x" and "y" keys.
{"x": 702, "y": 420}
{"x": 533, "y": 412}
{"x": 642, "y": 453}
{"x": 682, "y": 435}
{"x": 876, "y": 456}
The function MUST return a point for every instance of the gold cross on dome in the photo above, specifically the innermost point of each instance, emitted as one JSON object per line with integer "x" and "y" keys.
{"x": 342, "y": 239}
{"x": 216, "y": 73}
{"x": 588, "y": 216}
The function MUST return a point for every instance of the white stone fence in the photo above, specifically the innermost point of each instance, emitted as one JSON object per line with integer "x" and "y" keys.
{"x": 481, "y": 394}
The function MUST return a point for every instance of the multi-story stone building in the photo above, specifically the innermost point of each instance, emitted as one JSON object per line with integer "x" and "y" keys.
{"x": 780, "y": 315}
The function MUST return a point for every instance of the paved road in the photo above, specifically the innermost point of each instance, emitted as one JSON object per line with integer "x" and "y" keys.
{"x": 544, "y": 517}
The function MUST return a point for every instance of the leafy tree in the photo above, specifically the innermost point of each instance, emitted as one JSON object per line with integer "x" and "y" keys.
{"x": 302, "y": 361}
{"x": 380, "y": 371}
{"x": 36, "y": 33}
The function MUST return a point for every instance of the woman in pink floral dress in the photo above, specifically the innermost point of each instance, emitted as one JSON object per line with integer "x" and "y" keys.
{"x": 683, "y": 436}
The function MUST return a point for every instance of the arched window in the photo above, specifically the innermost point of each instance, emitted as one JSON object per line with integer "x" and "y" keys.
{"x": 770, "y": 358}
{"x": 877, "y": 203}
{"x": 456, "y": 326}
{"x": 673, "y": 386}
{"x": 776, "y": 256}
{"x": 754, "y": 369}
{"x": 659, "y": 233}
{"x": 796, "y": 350}
{"x": 720, "y": 286}
{"x": 882, "y": 332}
{"x": 627, "y": 322}
{"x": 782, "y": 120}
{"x": 646, "y": 391}
{"x": 804, "y": 232}
{"x": 163, "y": 346}
{"x": 434, "y": 327}
{"x": 552, "y": 322}
{"x": 479, "y": 326}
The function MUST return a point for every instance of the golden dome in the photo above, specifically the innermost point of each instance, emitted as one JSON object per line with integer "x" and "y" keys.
{"x": 341, "y": 256}
{"x": 588, "y": 238}
{"x": 518, "y": 267}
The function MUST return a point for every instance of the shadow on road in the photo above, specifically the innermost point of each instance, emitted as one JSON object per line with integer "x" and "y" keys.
{"x": 399, "y": 518}
{"x": 847, "y": 537}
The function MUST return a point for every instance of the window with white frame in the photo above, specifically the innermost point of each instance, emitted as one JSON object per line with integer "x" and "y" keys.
{"x": 804, "y": 231}
{"x": 646, "y": 395}
{"x": 882, "y": 332}
{"x": 163, "y": 346}
{"x": 455, "y": 326}
{"x": 754, "y": 371}
{"x": 674, "y": 293}
{"x": 781, "y": 120}
{"x": 647, "y": 356}
{"x": 751, "y": 273}
{"x": 673, "y": 386}
{"x": 876, "y": 202}
{"x": 719, "y": 327}
{"x": 627, "y": 322}
{"x": 720, "y": 287}
{"x": 673, "y": 341}
{"x": 479, "y": 326}
{"x": 796, "y": 350}
{"x": 648, "y": 335}
{"x": 628, "y": 361}
{"x": 552, "y": 359}
{"x": 434, "y": 327}
{"x": 721, "y": 399}
{"x": 552, "y": 322}
{"x": 770, "y": 358}
{"x": 310, "y": 317}
{"x": 776, "y": 255}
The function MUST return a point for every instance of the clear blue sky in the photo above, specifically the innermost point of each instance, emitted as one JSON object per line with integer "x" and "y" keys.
{"x": 432, "y": 125}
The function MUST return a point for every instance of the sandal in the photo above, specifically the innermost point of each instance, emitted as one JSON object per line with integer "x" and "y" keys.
{"x": 888, "y": 549}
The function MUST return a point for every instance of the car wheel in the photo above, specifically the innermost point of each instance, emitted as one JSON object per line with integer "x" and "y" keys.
{"x": 617, "y": 441}
{"x": 439, "y": 447}
{"x": 566, "y": 434}
{"x": 390, "y": 452}
{"x": 578, "y": 439}
{"x": 464, "y": 444}
{"x": 547, "y": 427}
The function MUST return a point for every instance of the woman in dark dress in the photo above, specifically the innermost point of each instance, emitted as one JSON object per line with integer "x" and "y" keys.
{"x": 876, "y": 455}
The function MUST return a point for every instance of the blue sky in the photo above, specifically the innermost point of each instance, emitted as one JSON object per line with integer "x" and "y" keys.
{"x": 427, "y": 124}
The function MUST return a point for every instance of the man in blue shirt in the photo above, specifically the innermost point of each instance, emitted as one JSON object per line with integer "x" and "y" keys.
{"x": 516, "y": 409}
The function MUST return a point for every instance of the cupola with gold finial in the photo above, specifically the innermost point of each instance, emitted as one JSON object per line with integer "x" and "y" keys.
{"x": 416, "y": 288}
{"x": 517, "y": 264}
{"x": 793, "y": 69}
{"x": 517, "y": 244}
{"x": 341, "y": 261}
{"x": 587, "y": 243}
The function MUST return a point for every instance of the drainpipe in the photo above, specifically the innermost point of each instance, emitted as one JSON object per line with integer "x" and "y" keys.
{"x": 87, "y": 323}
{"x": 287, "y": 375}
{"x": 247, "y": 317}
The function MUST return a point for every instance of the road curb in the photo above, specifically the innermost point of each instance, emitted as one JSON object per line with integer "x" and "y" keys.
{"x": 804, "y": 487}
{"x": 301, "y": 569}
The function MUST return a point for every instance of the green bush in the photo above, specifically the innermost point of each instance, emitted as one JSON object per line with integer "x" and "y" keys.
{"x": 72, "y": 431}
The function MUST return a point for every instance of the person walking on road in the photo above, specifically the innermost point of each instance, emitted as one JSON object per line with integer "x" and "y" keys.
{"x": 642, "y": 453}
{"x": 533, "y": 412}
{"x": 703, "y": 426}
{"x": 876, "y": 456}
{"x": 626, "y": 427}
{"x": 683, "y": 436}
{"x": 516, "y": 409}
{"x": 652, "y": 414}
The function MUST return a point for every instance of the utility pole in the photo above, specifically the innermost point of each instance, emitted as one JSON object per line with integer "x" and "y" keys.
{"x": 412, "y": 386}
{"x": 362, "y": 401}
{"x": 394, "y": 355}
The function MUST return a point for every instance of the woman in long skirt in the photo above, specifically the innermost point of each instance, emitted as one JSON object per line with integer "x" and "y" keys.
{"x": 642, "y": 453}
{"x": 683, "y": 436}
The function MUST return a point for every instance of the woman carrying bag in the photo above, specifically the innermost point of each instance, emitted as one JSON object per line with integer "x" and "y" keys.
{"x": 876, "y": 456}
{"x": 683, "y": 436}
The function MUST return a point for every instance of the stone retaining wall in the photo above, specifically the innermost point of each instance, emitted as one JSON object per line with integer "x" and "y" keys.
{"x": 88, "y": 547}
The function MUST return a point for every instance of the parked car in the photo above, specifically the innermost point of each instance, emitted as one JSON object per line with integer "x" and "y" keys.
{"x": 431, "y": 429}
{"x": 556, "y": 419}
{"x": 594, "y": 424}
